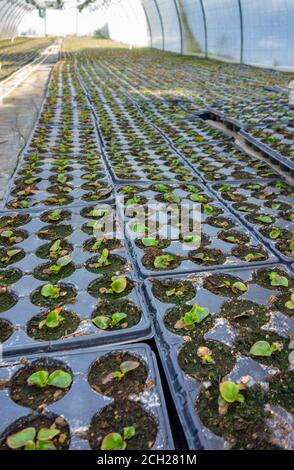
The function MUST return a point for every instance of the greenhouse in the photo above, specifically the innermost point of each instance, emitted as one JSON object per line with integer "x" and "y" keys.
{"x": 146, "y": 227}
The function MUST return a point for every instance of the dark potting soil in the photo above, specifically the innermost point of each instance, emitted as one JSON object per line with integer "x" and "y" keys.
{"x": 208, "y": 256}
{"x": 64, "y": 215}
{"x": 43, "y": 272}
{"x": 15, "y": 220}
{"x": 110, "y": 244}
{"x": 245, "y": 313}
{"x": 68, "y": 326}
{"x": 244, "y": 425}
{"x": 246, "y": 339}
{"x": 220, "y": 222}
{"x": 118, "y": 415}
{"x": 43, "y": 251}
{"x": 108, "y": 308}
{"x": 52, "y": 232}
{"x": 280, "y": 304}
{"x": 215, "y": 284}
{"x": 261, "y": 277}
{"x": 150, "y": 256}
{"x": 6, "y": 330}
{"x": 48, "y": 420}
{"x": 33, "y": 396}
{"x": 197, "y": 330}
{"x": 117, "y": 265}
{"x": 243, "y": 251}
{"x": 281, "y": 390}
{"x": 173, "y": 291}
{"x": 4, "y": 253}
{"x": 9, "y": 276}
{"x": 193, "y": 365}
{"x": 67, "y": 295}
{"x": 133, "y": 383}
{"x": 95, "y": 287}
{"x": 7, "y": 299}
{"x": 232, "y": 236}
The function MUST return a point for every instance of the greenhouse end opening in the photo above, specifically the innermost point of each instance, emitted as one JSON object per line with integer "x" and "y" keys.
{"x": 146, "y": 230}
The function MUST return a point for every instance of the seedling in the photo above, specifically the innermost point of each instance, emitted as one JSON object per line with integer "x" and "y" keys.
{"x": 291, "y": 247}
{"x": 205, "y": 355}
{"x": 265, "y": 349}
{"x": 118, "y": 285}
{"x": 124, "y": 368}
{"x": 10, "y": 254}
{"x": 254, "y": 256}
{"x": 174, "y": 293}
{"x": 53, "y": 319}
{"x": 139, "y": 228}
{"x": 265, "y": 219}
{"x": 56, "y": 250}
{"x": 104, "y": 322}
{"x": 61, "y": 178}
{"x": 161, "y": 188}
{"x": 275, "y": 233}
{"x": 55, "y": 215}
{"x": 207, "y": 209}
{"x": 103, "y": 260}
{"x": 30, "y": 439}
{"x": 278, "y": 281}
{"x": 236, "y": 287}
{"x": 61, "y": 263}
{"x": 229, "y": 393}
{"x": 134, "y": 200}
{"x": 58, "y": 378}
{"x": 192, "y": 239}
{"x": 290, "y": 303}
{"x": 51, "y": 292}
{"x": 150, "y": 242}
{"x": 196, "y": 315}
{"x": 97, "y": 213}
{"x": 163, "y": 261}
{"x": 116, "y": 441}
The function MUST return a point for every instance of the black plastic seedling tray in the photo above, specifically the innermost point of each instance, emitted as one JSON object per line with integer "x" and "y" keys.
{"x": 82, "y": 402}
{"x": 181, "y": 251}
{"x": 275, "y": 192}
{"x": 185, "y": 389}
{"x": 220, "y": 161}
{"x": 272, "y": 155}
{"x": 84, "y": 304}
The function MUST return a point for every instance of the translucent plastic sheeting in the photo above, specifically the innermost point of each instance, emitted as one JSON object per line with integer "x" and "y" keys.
{"x": 193, "y": 30}
{"x": 11, "y": 14}
{"x": 268, "y": 27}
{"x": 223, "y": 28}
{"x": 171, "y": 24}
{"x": 156, "y": 23}
{"x": 127, "y": 23}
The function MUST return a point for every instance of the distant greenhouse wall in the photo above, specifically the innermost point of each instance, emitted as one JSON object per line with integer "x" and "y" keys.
{"x": 252, "y": 31}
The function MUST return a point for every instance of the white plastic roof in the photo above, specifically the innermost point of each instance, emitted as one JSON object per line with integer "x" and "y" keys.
{"x": 250, "y": 31}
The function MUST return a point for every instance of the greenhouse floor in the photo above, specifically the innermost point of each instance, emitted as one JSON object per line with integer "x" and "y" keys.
{"x": 117, "y": 332}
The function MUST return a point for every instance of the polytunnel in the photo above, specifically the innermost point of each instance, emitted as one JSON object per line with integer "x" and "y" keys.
{"x": 146, "y": 230}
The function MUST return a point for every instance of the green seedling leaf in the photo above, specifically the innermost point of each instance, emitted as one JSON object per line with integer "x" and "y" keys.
{"x": 239, "y": 286}
{"x": 149, "y": 241}
{"x": 53, "y": 319}
{"x": 277, "y": 280}
{"x": 230, "y": 392}
{"x": 117, "y": 318}
{"x": 264, "y": 349}
{"x": 118, "y": 284}
{"x": 139, "y": 228}
{"x": 129, "y": 432}
{"x": 161, "y": 188}
{"x": 46, "y": 434}
{"x": 113, "y": 441}
{"x": 291, "y": 246}
{"x": 134, "y": 200}
{"x": 290, "y": 303}
{"x": 39, "y": 379}
{"x": 60, "y": 379}
{"x": 127, "y": 366}
{"x": 7, "y": 234}
{"x": 196, "y": 315}
{"x": 97, "y": 213}
{"x": 265, "y": 219}
{"x": 102, "y": 322}
{"x": 49, "y": 291}
{"x": 197, "y": 198}
{"x": 275, "y": 233}
{"x": 208, "y": 210}
{"x": 55, "y": 215}
{"x": 163, "y": 261}
{"x": 64, "y": 261}
{"x": 254, "y": 256}
{"x": 192, "y": 239}
{"x": 21, "y": 438}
